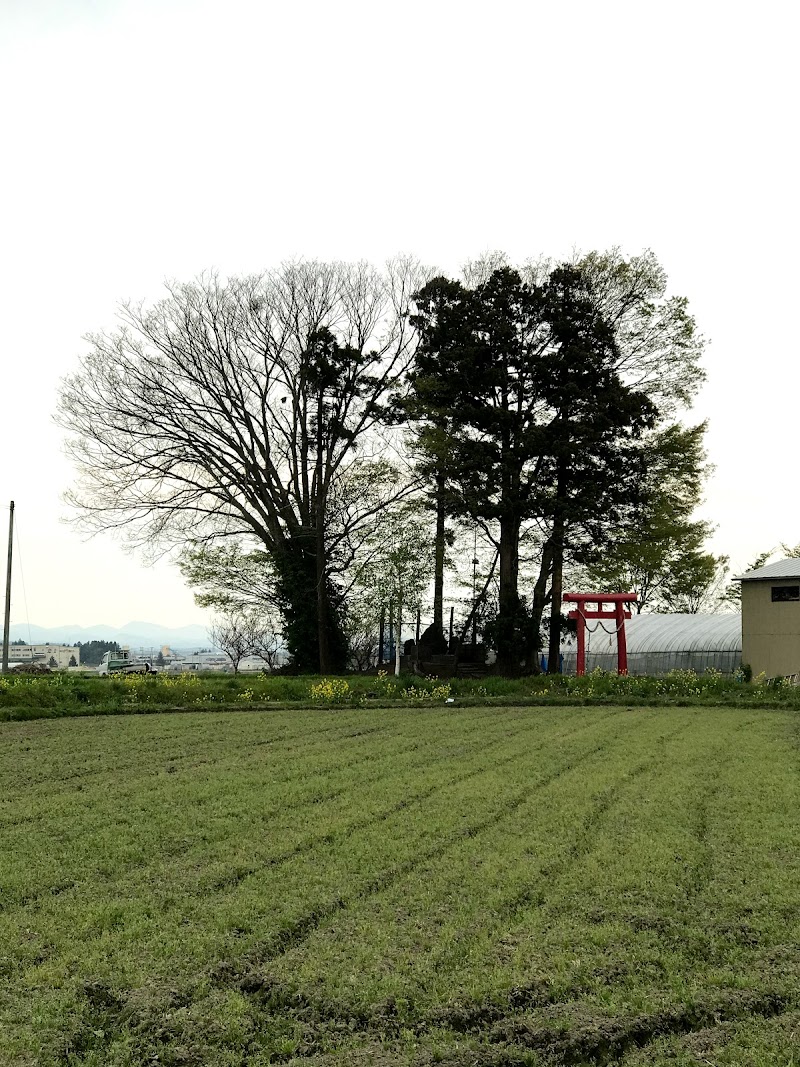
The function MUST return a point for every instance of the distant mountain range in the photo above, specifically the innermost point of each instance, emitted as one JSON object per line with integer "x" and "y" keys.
{"x": 134, "y": 634}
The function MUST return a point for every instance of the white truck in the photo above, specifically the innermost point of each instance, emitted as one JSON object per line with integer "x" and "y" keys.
{"x": 121, "y": 663}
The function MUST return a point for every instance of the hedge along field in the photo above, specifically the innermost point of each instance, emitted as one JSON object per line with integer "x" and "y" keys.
{"x": 479, "y": 886}
{"x": 63, "y": 694}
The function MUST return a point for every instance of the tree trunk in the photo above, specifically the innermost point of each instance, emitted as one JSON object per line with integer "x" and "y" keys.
{"x": 508, "y": 652}
{"x": 438, "y": 566}
{"x": 381, "y": 636}
{"x": 557, "y": 539}
{"x": 323, "y": 620}
{"x": 478, "y": 601}
{"x": 538, "y": 604}
{"x": 399, "y": 631}
{"x": 323, "y": 613}
{"x": 301, "y": 594}
{"x": 554, "y": 649}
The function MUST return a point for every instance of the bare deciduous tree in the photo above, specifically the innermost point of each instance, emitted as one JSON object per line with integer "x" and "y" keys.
{"x": 232, "y": 634}
{"x": 240, "y": 634}
{"x": 266, "y": 644}
{"x": 240, "y": 410}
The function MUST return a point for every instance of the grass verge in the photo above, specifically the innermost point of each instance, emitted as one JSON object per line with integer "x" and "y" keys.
{"x": 60, "y": 695}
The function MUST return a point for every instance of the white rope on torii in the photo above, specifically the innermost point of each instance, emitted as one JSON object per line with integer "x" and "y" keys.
{"x": 600, "y": 626}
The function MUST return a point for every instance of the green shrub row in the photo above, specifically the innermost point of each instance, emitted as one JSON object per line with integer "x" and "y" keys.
{"x": 23, "y": 697}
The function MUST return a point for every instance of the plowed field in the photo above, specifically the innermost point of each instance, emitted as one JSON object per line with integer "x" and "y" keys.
{"x": 469, "y": 887}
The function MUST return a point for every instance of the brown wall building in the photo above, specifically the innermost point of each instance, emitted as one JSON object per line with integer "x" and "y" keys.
{"x": 771, "y": 618}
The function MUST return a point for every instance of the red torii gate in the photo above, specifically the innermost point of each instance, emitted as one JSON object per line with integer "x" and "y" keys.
{"x": 618, "y": 616}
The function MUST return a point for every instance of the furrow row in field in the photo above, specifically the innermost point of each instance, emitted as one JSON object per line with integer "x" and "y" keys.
{"x": 576, "y": 887}
{"x": 414, "y": 793}
{"x": 82, "y": 808}
{"x": 36, "y": 774}
{"x": 505, "y": 1016}
{"x": 297, "y": 930}
{"x": 310, "y": 876}
{"x": 651, "y": 965}
{"x": 446, "y": 916}
{"x": 675, "y": 860}
{"x": 583, "y": 840}
{"x": 292, "y": 934}
{"x": 312, "y": 796}
{"x": 623, "y": 896}
{"x": 246, "y": 970}
{"x": 116, "y": 816}
{"x": 747, "y": 896}
{"x": 576, "y": 1039}
{"x": 601, "y": 1041}
{"x": 241, "y": 752}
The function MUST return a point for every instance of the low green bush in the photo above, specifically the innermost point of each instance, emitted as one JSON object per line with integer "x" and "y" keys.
{"x": 28, "y": 697}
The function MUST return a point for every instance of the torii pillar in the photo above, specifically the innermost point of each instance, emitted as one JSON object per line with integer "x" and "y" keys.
{"x": 618, "y": 615}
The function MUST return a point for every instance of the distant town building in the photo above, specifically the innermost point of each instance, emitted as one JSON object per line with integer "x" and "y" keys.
{"x": 200, "y": 661}
{"x": 217, "y": 661}
{"x": 43, "y": 654}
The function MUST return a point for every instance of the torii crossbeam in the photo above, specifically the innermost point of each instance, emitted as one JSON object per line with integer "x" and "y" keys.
{"x": 618, "y": 615}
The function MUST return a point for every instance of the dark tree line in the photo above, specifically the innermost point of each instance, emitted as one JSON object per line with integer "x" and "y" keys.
{"x": 92, "y": 652}
{"x": 270, "y": 428}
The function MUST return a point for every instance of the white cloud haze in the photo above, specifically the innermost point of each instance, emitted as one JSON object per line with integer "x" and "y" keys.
{"x": 146, "y": 140}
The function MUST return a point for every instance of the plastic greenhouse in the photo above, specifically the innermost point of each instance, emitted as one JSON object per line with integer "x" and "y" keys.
{"x": 658, "y": 644}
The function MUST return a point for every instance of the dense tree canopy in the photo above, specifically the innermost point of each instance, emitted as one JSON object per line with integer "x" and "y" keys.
{"x": 532, "y": 394}
{"x": 475, "y": 388}
{"x": 254, "y": 426}
{"x": 660, "y": 554}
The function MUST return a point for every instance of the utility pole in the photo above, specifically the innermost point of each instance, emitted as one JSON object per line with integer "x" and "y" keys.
{"x": 7, "y": 618}
{"x": 381, "y": 636}
{"x": 397, "y": 646}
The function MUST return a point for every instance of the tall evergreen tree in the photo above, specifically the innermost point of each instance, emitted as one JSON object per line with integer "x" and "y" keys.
{"x": 593, "y": 466}
{"x": 656, "y": 352}
{"x": 529, "y": 415}
{"x": 474, "y": 381}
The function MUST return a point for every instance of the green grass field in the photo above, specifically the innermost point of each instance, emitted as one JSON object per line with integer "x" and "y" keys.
{"x": 478, "y": 886}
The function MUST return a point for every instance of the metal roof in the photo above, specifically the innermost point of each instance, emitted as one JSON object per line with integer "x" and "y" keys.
{"x": 784, "y": 568}
{"x": 672, "y": 633}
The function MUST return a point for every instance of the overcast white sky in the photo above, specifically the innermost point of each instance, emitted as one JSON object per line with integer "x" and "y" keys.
{"x": 146, "y": 139}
